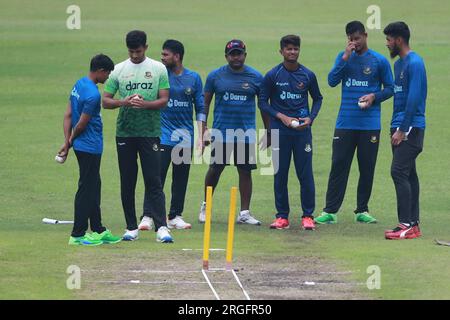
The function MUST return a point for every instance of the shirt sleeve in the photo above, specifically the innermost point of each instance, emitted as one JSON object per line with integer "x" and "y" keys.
{"x": 337, "y": 73}
{"x": 199, "y": 100}
{"x": 416, "y": 71}
{"x": 265, "y": 94}
{"x": 316, "y": 96}
{"x": 387, "y": 80}
{"x": 112, "y": 84}
{"x": 91, "y": 104}
{"x": 210, "y": 82}
{"x": 164, "y": 79}
{"x": 258, "y": 83}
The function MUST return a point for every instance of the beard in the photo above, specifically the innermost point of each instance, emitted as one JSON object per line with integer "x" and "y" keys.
{"x": 395, "y": 51}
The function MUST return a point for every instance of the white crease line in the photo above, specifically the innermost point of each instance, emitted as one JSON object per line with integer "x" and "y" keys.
{"x": 240, "y": 284}
{"x": 151, "y": 282}
{"x": 210, "y": 285}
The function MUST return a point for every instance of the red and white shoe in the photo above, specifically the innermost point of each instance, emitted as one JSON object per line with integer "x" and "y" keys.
{"x": 417, "y": 230}
{"x": 280, "y": 224}
{"x": 402, "y": 232}
{"x": 308, "y": 223}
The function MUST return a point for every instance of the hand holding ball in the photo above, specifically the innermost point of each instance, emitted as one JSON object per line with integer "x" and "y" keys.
{"x": 60, "y": 159}
{"x": 295, "y": 123}
{"x": 136, "y": 97}
{"x": 363, "y": 104}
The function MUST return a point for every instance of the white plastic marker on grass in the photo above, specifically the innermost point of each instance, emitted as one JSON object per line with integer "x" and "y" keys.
{"x": 53, "y": 221}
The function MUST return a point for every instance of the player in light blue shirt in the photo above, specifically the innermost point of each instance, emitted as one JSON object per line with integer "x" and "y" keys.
{"x": 83, "y": 131}
{"x": 407, "y": 129}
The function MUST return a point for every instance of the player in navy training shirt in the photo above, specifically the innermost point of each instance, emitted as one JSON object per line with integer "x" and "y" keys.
{"x": 177, "y": 132}
{"x": 407, "y": 129}
{"x": 288, "y": 87}
{"x": 235, "y": 87}
{"x": 367, "y": 81}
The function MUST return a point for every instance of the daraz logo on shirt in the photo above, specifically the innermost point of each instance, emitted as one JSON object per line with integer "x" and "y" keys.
{"x": 138, "y": 85}
{"x": 398, "y": 89}
{"x": 356, "y": 83}
{"x": 234, "y": 97}
{"x": 289, "y": 95}
{"x": 177, "y": 103}
{"x": 75, "y": 93}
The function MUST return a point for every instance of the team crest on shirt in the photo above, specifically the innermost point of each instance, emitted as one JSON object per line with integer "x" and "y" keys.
{"x": 373, "y": 139}
{"x": 148, "y": 75}
{"x": 367, "y": 70}
{"x": 308, "y": 147}
{"x": 245, "y": 85}
{"x": 188, "y": 91}
{"x": 401, "y": 75}
{"x": 155, "y": 147}
{"x": 301, "y": 85}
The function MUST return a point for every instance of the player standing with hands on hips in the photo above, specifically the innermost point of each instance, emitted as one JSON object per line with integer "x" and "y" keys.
{"x": 407, "y": 129}
{"x": 367, "y": 81}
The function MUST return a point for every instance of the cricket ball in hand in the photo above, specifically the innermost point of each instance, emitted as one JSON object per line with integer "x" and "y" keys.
{"x": 60, "y": 159}
{"x": 295, "y": 123}
{"x": 363, "y": 104}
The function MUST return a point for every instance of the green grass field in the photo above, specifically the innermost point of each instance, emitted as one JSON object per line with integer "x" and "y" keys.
{"x": 40, "y": 59}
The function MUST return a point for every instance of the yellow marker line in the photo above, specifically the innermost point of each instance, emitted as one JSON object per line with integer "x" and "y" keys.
{"x": 207, "y": 230}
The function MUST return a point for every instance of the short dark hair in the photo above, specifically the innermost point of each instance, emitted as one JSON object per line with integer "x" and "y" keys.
{"x": 353, "y": 27}
{"x": 398, "y": 29}
{"x": 175, "y": 46}
{"x": 136, "y": 39}
{"x": 290, "y": 39}
{"x": 101, "y": 62}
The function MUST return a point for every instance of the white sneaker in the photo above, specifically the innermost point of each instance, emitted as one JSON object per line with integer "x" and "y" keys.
{"x": 163, "y": 235}
{"x": 130, "y": 235}
{"x": 146, "y": 223}
{"x": 245, "y": 217}
{"x": 202, "y": 214}
{"x": 178, "y": 223}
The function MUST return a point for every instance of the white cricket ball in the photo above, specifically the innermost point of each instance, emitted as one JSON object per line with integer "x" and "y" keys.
{"x": 60, "y": 159}
{"x": 295, "y": 123}
{"x": 136, "y": 98}
{"x": 363, "y": 104}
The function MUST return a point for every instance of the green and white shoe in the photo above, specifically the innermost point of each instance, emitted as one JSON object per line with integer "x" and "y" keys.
{"x": 365, "y": 217}
{"x": 106, "y": 237}
{"x": 85, "y": 240}
{"x": 326, "y": 218}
